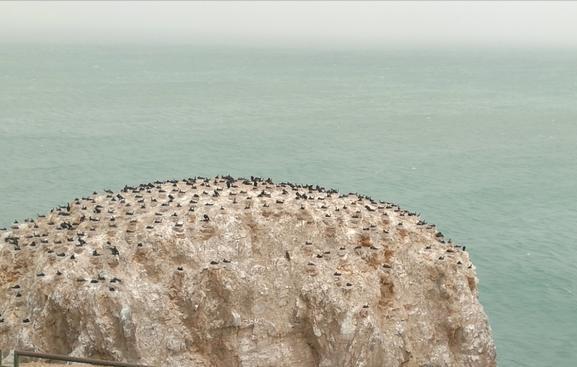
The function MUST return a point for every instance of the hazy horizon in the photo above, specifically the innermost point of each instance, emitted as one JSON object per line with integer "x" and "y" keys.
{"x": 294, "y": 24}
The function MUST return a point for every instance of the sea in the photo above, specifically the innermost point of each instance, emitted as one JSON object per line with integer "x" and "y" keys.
{"x": 481, "y": 142}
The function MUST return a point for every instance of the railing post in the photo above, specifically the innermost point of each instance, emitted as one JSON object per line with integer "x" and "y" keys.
{"x": 16, "y": 359}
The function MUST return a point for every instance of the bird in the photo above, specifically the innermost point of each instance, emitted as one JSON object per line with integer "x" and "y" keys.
{"x": 206, "y": 218}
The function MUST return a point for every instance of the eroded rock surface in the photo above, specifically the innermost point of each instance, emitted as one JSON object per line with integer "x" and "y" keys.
{"x": 226, "y": 272}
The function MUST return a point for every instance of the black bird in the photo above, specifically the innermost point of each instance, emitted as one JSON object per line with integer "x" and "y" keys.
{"x": 40, "y": 274}
{"x": 287, "y": 255}
{"x": 115, "y": 280}
{"x": 179, "y": 268}
{"x": 111, "y": 289}
{"x": 337, "y": 274}
{"x": 95, "y": 253}
{"x": 226, "y": 261}
{"x": 114, "y": 251}
{"x": 213, "y": 262}
{"x": 206, "y": 218}
{"x": 58, "y": 272}
{"x": 26, "y": 321}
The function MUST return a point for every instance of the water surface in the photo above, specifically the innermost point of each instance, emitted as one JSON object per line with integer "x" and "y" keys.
{"x": 481, "y": 142}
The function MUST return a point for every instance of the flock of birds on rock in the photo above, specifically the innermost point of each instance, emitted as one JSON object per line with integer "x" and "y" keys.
{"x": 66, "y": 233}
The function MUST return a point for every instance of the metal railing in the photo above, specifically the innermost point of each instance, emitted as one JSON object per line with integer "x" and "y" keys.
{"x": 58, "y": 357}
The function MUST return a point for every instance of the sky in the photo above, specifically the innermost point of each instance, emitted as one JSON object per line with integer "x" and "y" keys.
{"x": 311, "y": 23}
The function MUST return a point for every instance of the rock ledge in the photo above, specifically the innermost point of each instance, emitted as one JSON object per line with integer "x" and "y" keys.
{"x": 235, "y": 272}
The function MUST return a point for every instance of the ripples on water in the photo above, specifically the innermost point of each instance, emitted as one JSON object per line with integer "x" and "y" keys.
{"x": 482, "y": 143}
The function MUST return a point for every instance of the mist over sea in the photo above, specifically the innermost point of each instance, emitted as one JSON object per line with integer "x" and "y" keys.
{"x": 482, "y": 143}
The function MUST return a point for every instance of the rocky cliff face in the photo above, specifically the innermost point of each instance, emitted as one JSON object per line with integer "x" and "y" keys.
{"x": 223, "y": 272}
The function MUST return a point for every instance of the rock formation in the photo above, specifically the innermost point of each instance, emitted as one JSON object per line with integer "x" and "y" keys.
{"x": 240, "y": 272}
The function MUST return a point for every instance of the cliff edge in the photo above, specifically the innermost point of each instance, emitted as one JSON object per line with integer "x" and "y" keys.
{"x": 234, "y": 272}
